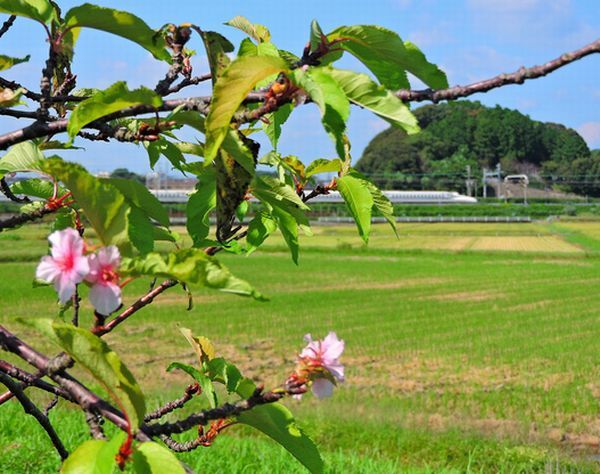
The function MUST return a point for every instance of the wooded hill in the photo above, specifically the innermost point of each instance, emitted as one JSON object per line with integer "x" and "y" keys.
{"x": 464, "y": 133}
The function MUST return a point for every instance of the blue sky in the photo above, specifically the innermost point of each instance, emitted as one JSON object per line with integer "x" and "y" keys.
{"x": 469, "y": 39}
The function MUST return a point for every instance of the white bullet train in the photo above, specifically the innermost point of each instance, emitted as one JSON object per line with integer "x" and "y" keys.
{"x": 397, "y": 197}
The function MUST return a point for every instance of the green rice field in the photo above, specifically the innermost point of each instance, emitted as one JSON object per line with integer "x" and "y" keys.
{"x": 469, "y": 348}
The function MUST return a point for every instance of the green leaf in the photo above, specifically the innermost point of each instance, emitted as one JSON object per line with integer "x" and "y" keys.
{"x": 199, "y": 206}
{"x": 242, "y": 210}
{"x": 152, "y": 458}
{"x": 286, "y": 208}
{"x": 256, "y": 31}
{"x": 358, "y": 200}
{"x": 103, "y": 204}
{"x": 188, "y": 148}
{"x": 161, "y": 233}
{"x": 113, "y": 99}
{"x": 40, "y": 10}
{"x": 63, "y": 219}
{"x": 24, "y": 156}
{"x": 274, "y": 122}
{"x": 7, "y": 62}
{"x": 387, "y": 56}
{"x": 259, "y": 229}
{"x": 138, "y": 195}
{"x": 140, "y": 230}
{"x": 362, "y": 91}
{"x": 102, "y": 362}
{"x": 418, "y": 65}
{"x": 94, "y": 457}
{"x": 168, "y": 150}
{"x": 119, "y": 23}
{"x": 11, "y": 98}
{"x": 188, "y": 117}
{"x": 321, "y": 165}
{"x": 277, "y": 422}
{"x": 239, "y": 151}
{"x": 248, "y": 48}
{"x": 204, "y": 348}
{"x": 230, "y": 90}
{"x": 380, "y": 200}
{"x": 205, "y": 382}
{"x": 86, "y": 459}
{"x": 324, "y": 90}
{"x": 219, "y": 370}
{"x": 190, "y": 266}
{"x": 217, "y": 47}
{"x": 278, "y": 191}
{"x": 316, "y": 36}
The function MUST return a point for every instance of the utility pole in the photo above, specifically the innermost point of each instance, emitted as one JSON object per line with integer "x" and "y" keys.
{"x": 470, "y": 182}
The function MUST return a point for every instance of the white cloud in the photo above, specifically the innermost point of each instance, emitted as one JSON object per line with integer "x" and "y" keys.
{"x": 590, "y": 131}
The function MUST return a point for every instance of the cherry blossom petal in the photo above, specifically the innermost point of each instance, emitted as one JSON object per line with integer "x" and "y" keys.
{"x": 105, "y": 298}
{"x": 65, "y": 287}
{"x": 109, "y": 256}
{"x": 336, "y": 369}
{"x": 322, "y": 388}
{"x": 47, "y": 270}
{"x": 332, "y": 347}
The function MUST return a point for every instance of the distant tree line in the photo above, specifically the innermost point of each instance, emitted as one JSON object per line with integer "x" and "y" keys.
{"x": 460, "y": 134}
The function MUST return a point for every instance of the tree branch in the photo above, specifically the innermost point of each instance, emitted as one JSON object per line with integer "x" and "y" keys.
{"x": 25, "y": 217}
{"x": 517, "y": 77}
{"x": 139, "y": 304}
{"x": 34, "y": 411}
{"x": 29, "y": 379}
{"x": 7, "y": 24}
{"x": 190, "y": 391}
{"x": 224, "y": 411}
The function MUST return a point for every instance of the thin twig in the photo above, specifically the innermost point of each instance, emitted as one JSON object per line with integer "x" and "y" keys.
{"x": 192, "y": 81}
{"x": 34, "y": 411}
{"x": 23, "y": 218}
{"x": 179, "y": 447}
{"x": 224, "y": 411}
{"x": 139, "y": 304}
{"x": 76, "y": 302}
{"x": 51, "y": 405}
{"x": 29, "y": 379}
{"x": 174, "y": 405}
{"x": 7, "y": 24}
{"x": 5, "y": 189}
{"x": 517, "y": 77}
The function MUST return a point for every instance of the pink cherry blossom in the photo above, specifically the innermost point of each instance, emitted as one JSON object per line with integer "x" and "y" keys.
{"x": 66, "y": 266}
{"x": 322, "y": 356}
{"x": 105, "y": 293}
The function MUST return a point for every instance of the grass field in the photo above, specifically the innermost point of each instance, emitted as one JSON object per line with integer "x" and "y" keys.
{"x": 470, "y": 348}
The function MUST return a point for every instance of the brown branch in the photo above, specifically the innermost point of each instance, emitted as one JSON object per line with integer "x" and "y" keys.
{"x": 46, "y": 82}
{"x": 174, "y": 405}
{"x": 5, "y": 189}
{"x": 517, "y": 77}
{"x": 29, "y": 379}
{"x": 139, "y": 304}
{"x": 192, "y": 81}
{"x": 23, "y": 218}
{"x": 181, "y": 447}
{"x": 94, "y": 421}
{"x": 19, "y": 114}
{"x": 34, "y": 411}
{"x": 225, "y": 411}
{"x": 7, "y": 24}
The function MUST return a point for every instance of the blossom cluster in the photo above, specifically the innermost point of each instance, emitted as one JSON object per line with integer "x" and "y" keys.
{"x": 319, "y": 365}
{"x": 67, "y": 265}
